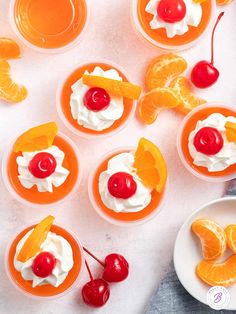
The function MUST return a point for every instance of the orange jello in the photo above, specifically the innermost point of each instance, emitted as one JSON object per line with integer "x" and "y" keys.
{"x": 159, "y": 38}
{"x": 188, "y": 125}
{"x": 49, "y": 25}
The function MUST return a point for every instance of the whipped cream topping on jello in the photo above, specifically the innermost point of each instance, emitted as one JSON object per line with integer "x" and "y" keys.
{"x": 96, "y": 120}
{"x": 226, "y": 156}
{"x": 123, "y": 163}
{"x": 56, "y": 179}
{"x": 192, "y": 18}
{"x": 59, "y": 248}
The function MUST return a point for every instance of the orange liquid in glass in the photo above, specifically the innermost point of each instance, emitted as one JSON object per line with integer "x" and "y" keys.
{"x": 46, "y": 290}
{"x": 156, "y": 199}
{"x": 50, "y": 23}
{"x": 160, "y": 36}
{"x": 191, "y": 125}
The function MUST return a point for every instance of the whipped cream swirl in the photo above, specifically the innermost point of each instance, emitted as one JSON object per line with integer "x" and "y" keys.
{"x": 123, "y": 163}
{"x": 226, "y": 156}
{"x": 62, "y": 251}
{"x": 56, "y": 179}
{"x": 96, "y": 120}
{"x": 192, "y": 18}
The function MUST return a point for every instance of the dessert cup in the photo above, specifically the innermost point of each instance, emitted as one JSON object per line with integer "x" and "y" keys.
{"x": 63, "y": 101}
{"x": 46, "y": 292}
{"x": 31, "y": 197}
{"x": 121, "y": 219}
{"x": 31, "y": 20}
{"x": 187, "y": 125}
{"x": 158, "y": 38}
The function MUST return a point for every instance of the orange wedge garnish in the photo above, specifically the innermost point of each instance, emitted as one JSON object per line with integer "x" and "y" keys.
{"x": 33, "y": 243}
{"x": 155, "y": 101}
{"x": 231, "y": 237}
{"x": 199, "y": 1}
{"x": 215, "y": 274}
{"x": 116, "y": 87}
{"x": 188, "y": 100}
{"x": 9, "y": 90}
{"x": 223, "y": 2}
{"x": 212, "y": 237}
{"x": 9, "y": 49}
{"x": 163, "y": 69}
{"x": 37, "y": 138}
{"x": 150, "y": 165}
{"x": 230, "y": 131}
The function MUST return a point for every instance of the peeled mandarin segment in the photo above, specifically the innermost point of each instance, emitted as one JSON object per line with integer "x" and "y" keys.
{"x": 150, "y": 165}
{"x": 199, "y": 1}
{"x": 154, "y": 101}
{"x": 215, "y": 274}
{"x": 164, "y": 69}
{"x": 37, "y": 138}
{"x": 223, "y": 2}
{"x": 188, "y": 100}
{"x": 230, "y": 131}
{"x": 212, "y": 237}
{"x": 231, "y": 237}
{"x": 9, "y": 49}
{"x": 33, "y": 243}
{"x": 9, "y": 90}
{"x": 119, "y": 88}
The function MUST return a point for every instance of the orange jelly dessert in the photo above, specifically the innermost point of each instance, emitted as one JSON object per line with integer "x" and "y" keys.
{"x": 49, "y": 24}
{"x": 96, "y": 99}
{"x": 207, "y": 142}
{"x": 42, "y": 167}
{"x": 55, "y": 264}
{"x": 172, "y": 24}
{"x": 128, "y": 186}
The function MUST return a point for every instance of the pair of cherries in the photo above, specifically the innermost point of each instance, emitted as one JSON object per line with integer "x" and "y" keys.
{"x": 96, "y": 292}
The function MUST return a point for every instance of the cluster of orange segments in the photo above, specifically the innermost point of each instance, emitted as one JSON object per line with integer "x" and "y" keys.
{"x": 215, "y": 240}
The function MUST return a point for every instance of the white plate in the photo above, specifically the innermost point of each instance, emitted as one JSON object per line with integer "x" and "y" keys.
{"x": 187, "y": 251}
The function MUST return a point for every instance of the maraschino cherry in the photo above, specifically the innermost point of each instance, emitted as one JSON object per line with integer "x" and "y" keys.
{"x": 208, "y": 141}
{"x": 96, "y": 292}
{"x": 42, "y": 165}
{"x": 204, "y": 74}
{"x": 96, "y": 99}
{"x": 171, "y": 11}
{"x": 43, "y": 264}
{"x": 122, "y": 185}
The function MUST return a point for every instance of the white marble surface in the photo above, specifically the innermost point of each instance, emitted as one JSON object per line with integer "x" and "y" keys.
{"x": 148, "y": 247}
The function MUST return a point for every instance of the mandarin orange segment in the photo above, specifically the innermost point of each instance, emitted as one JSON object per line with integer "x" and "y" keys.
{"x": 153, "y": 102}
{"x": 218, "y": 274}
{"x": 188, "y": 100}
{"x": 231, "y": 237}
{"x": 33, "y": 243}
{"x": 223, "y": 2}
{"x": 212, "y": 237}
{"x": 163, "y": 69}
{"x": 230, "y": 129}
{"x": 9, "y": 49}
{"x": 36, "y": 138}
{"x": 119, "y": 88}
{"x": 150, "y": 165}
{"x": 199, "y": 1}
{"x": 9, "y": 90}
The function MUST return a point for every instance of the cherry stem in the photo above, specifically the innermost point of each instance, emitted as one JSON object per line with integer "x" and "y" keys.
{"x": 89, "y": 271}
{"x": 94, "y": 257}
{"x": 213, "y": 35}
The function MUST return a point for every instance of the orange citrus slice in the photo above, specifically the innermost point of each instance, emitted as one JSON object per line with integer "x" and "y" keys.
{"x": 215, "y": 274}
{"x": 230, "y": 131}
{"x": 188, "y": 100}
{"x": 231, "y": 237}
{"x": 37, "y": 138}
{"x": 199, "y": 1}
{"x": 223, "y": 2}
{"x": 163, "y": 69}
{"x": 155, "y": 101}
{"x": 150, "y": 165}
{"x": 212, "y": 237}
{"x": 9, "y": 90}
{"x": 116, "y": 87}
{"x": 9, "y": 49}
{"x": 33, "y": 243}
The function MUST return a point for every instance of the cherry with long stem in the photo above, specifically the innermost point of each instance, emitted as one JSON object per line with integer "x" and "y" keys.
{"x": 93, "y": 256}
